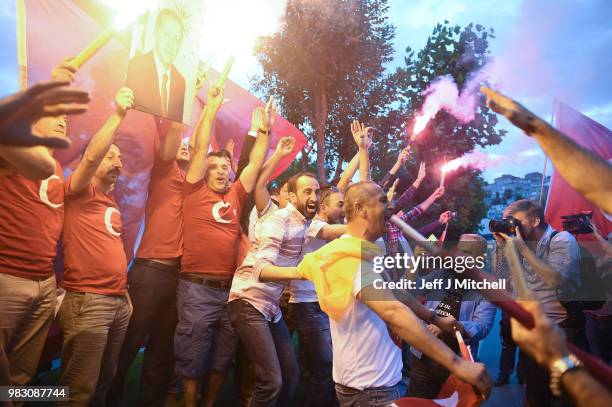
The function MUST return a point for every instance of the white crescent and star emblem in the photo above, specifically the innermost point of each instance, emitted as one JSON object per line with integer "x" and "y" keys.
{"x": 107, "y": 220}
{"x": 42, "y": 192}
{"x": 215, "y": 211}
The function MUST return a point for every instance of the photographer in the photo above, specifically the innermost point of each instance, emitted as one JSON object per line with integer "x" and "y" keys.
{"x": 551, "y": 266}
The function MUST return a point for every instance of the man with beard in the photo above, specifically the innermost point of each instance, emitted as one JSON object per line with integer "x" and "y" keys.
{"x": 95, "y": 312}
{"x": 254, "y": 309}
{"x": 311, "y": 323}
{"x": 153, "y": 279}
{"x": 551, "y": 263}
{"x": 31, "y": 221}
{"x": 204, "y": 340}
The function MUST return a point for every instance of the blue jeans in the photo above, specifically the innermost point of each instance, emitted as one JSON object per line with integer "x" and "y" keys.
{"x": 374, "y": 397}
{"x": 316, "y": 351}
{"x": 268, "y": 346}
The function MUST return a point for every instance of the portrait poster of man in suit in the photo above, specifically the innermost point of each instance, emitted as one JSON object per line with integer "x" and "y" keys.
{"x": 163, "y": 62}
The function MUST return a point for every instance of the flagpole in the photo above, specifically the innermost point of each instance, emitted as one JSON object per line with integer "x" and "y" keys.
{"x": 22, "y": 55}
{"x": 552, "y": 123}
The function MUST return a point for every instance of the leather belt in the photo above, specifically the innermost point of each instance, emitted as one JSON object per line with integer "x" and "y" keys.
{"x": 157, "y": 265}
{"x": 218, "y": 284}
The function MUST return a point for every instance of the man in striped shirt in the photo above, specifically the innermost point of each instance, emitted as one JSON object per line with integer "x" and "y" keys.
{"x": 254, "y": 308}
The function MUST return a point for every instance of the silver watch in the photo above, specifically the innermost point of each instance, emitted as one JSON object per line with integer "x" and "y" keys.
{"x": 560, "y": 367}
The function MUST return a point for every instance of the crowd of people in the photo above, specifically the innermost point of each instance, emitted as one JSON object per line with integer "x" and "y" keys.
{"x": 222, "y": 252}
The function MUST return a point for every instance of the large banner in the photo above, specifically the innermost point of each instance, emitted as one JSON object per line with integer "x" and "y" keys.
{"x": 562, "y": 198}
{"x": 57, "y": 29}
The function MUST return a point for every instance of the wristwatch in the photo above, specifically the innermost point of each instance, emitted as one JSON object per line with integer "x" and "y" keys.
{"x": 558, "y": 368}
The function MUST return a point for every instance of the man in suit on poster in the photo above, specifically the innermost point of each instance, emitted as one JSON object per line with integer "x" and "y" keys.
{"x": 159, "y": 88}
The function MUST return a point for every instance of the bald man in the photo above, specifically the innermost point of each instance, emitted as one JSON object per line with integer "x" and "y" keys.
{"x": 367, "y": 366}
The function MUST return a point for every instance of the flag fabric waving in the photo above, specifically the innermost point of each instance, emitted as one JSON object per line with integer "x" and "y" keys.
{"x": 56, "y": 29}
{"x": 562, "y": 198}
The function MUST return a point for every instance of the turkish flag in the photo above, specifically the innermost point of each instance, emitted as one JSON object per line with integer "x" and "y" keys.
{"x": 56, "y": 29}
{"x": 562, "y": 198}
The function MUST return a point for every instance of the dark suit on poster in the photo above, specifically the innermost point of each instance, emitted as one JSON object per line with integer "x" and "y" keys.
{"x": 143, "y": 80}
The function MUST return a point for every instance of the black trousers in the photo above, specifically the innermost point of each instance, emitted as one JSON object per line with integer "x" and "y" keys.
{"x": 153, "y": 292}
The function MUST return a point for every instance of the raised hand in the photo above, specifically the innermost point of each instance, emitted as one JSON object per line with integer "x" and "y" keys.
{"x": 271, "y": 111}
{"x": 391, "y": 192}
{"x": 422, "y": 171}
{"x": 124, "y": 101}
{"x": 19, "y": 111}
{"x": 64, "y": 71}
{"x": 403, "y": 155}
{"x": 285, "y": 146}
{"x": 215, "y": 97}
{"x": 201, "y": 76}
{"x": 514, "y": 111}
{"x": 360, "y": 134}
{"x": 438, "y": 193}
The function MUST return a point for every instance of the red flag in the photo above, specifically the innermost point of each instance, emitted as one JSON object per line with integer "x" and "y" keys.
{"x": 562, "y": 198}
{"x": 60, "y": 28}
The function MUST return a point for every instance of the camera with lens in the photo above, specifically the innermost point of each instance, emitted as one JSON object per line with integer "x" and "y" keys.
{"x": 507, "y": 225}
{"x": 578, "y": 223}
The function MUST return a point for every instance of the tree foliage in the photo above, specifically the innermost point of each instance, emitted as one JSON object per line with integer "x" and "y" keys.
{"x": 459, "y": 52}
{"x": 326, "y": 66}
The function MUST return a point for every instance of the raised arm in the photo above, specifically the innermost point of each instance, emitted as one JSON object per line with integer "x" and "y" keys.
{"x": 262, "y": 196}
{"x": 348, "y": 173}
{"x": 584, "y": 171}
{"x": 101, "y": 141}
{"x": 363, "y": 141}
{"x": 200, "y": 140}
{"x": 390, "y": 178}
{"x": 171, "y": 143}
{"x": 409, "y": 193}
{"x": 264, "y": 119}
{"x": 426, "y": 204}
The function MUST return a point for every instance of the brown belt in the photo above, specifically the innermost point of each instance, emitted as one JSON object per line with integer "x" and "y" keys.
{"x": 218, "y": 284}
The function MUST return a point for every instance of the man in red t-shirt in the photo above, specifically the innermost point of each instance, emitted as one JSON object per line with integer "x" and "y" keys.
{"x": 153, "y": 278}
{"x": 96, "y": 310}
{"x": 205, "y": 340}
{"x": 31, "y": 219}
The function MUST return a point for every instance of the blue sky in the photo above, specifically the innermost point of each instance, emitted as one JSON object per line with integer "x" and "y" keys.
{"x": 544, "y": 49}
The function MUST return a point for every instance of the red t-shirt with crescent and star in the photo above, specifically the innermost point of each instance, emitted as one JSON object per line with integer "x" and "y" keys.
{"x": 31, "y": 220}
{"x": 211, "y": 232}
{"x": 94, "y": 259}
{"x": 163, "y": 233}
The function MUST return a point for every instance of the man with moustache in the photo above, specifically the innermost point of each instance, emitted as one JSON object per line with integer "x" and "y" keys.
{"x": 95, "y": 313}
{"x": 31, "y": 221}
{"x": 153, "y": 278}
{"x": 254, "y": 309}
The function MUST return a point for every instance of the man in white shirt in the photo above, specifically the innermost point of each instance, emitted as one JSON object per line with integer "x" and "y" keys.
{"x": 367, "y": 367}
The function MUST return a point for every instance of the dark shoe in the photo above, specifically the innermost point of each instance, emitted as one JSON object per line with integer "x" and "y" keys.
{"x": 520, "y": 379}
{"x": 502, "y": 380}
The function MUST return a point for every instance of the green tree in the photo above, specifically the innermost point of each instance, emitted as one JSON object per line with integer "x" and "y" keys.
{"x": 459, "y": 52}
{"x": 326, "y": 66}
